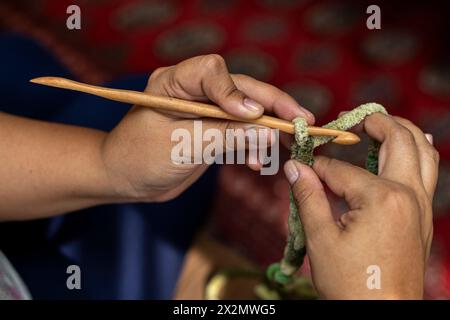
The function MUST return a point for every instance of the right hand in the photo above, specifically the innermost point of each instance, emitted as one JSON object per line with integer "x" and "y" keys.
{"x": 389, "y": 222}
{"x": 137, "y": 153}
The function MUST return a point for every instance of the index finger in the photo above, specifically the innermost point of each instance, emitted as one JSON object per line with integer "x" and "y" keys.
{"x": 207, "y": 76}
{"x": 344, "y": 179}
{"x": 273, "y": 99}
{"x": 398, "y": 157}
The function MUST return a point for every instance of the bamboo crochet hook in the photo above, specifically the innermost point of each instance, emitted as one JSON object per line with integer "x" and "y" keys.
{"x": 191, "y": 107}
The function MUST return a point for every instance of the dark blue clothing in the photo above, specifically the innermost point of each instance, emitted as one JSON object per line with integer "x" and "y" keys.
{"x": 129, "y": 251}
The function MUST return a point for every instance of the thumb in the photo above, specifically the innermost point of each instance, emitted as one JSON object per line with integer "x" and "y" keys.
{"x": 313, "y": 206}
{"x": 218, "y": 86}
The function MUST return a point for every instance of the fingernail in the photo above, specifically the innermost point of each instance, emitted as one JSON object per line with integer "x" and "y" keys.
{"x": 429, "y": 138}
{"x": 308, "y": 114}
{"x": 305, "y": 114}
{"x": 291, "y": 172}
{"x": 252, "y": 106}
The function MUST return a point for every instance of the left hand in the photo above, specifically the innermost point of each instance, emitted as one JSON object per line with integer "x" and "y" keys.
{"x": 388, "y": 228}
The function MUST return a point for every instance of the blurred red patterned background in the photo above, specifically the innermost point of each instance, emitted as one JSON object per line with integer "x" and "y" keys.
{"x": 318, "y": 51}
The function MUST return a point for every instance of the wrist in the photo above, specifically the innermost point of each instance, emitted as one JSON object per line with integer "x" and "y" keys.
{"x": 119, "y": 176}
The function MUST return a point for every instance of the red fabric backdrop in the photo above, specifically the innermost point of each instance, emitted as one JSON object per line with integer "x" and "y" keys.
{"x": 318, "y": 51}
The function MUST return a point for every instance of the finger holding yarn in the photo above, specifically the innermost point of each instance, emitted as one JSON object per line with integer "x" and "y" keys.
{"x": 302, "y": 150}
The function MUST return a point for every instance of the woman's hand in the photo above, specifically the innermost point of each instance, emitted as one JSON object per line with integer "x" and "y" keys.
{"x": 137, "y": 153}
{"x": 54, "y": 168}
{"x": 389, "y": 222}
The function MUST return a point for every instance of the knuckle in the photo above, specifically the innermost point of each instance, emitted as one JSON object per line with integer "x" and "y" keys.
{"x": 396, "y": 198}
{"x": 241, "y": 77}
{"x": 434, "y": 154}
{"x": 400, "y": 133}
{"x": 285, "y": 95}
{"x": 224, "y": 90}
{"x": 229, "y": 90}
{"x": 405, "y": 122}
{"x": 156, "y": 74}
{"x": 376, "y": 119}
{"x": 214, "y": 63}
{"x": 431, "y": 154}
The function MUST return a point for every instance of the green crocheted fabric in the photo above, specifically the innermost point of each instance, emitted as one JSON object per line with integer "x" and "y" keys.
{"x": 302, "y": 150}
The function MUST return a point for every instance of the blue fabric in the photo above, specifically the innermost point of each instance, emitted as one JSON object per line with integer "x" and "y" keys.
{"x": 129, "y": 251}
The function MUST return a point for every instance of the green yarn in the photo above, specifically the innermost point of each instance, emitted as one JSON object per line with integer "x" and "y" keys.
{"x": 274, "y": 272}
{"x": 302, "y": 150}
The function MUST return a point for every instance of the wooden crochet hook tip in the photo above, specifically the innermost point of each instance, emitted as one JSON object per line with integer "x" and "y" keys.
{"x": 191, "y": 107}
{"x": 347, "y": 138}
